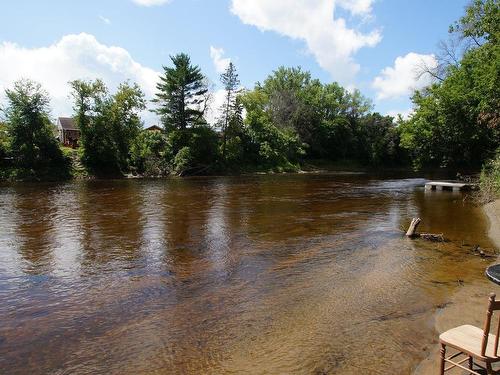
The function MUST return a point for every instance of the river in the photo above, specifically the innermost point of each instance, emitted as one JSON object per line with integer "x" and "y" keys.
{"x": 285, "y": 274}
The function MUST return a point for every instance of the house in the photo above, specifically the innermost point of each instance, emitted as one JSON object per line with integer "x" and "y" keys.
{"x": 154, "y": 128}
{"x": 69, "y": 134}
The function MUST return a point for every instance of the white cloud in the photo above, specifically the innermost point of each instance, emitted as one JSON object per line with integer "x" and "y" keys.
{"x": 404, "y": 77}
{"x": 214, "y": 109}
{"x": 219, "y": 61}
{"x": 405, "y": 113}
{"x": 329, "y": 39}
{"x": 357, "y": 7}
{"x": 73, "y": 57}
{"x": 150, "y": 3}
{"x": 107, "y": 21}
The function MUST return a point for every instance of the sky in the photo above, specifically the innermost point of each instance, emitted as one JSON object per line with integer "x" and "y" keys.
{"x": 375, "y": 46}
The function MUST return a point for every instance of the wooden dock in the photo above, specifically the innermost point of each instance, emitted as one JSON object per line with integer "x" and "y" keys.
{"x": 447, "y": 185}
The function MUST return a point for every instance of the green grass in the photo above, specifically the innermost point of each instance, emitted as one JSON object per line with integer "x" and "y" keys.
{"x": 489, "y": 182}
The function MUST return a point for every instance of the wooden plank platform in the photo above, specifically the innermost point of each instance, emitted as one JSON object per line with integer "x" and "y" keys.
{"x": 447, "y": 185}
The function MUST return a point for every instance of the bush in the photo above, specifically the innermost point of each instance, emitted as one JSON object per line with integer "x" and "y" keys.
{"x": 4, "y": 142}
{"x": 183, "y": 161}
{"x": 273, "y": 148}
{"x": 490, "y": 179}
{"x": 198, "y": 150}
{"x": 150, "y": 154}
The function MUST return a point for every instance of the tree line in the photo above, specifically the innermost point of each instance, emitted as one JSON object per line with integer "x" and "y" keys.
{"x": 286, "y": 121}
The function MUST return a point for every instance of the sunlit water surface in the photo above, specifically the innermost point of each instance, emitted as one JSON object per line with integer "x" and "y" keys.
{"x": 294, "y": 274}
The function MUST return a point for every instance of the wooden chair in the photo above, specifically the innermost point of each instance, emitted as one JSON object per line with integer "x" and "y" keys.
{"x": 474, "y": 343}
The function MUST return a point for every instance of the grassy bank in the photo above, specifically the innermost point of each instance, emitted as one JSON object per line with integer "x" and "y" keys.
{"x": 490, "y": 180}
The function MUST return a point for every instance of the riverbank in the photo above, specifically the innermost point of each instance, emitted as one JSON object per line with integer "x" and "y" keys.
{"x": 79, "y": 173}
{"x": 468, "y": 304}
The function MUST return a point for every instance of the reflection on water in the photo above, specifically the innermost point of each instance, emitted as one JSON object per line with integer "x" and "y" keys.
{"x": 273, "y": 274}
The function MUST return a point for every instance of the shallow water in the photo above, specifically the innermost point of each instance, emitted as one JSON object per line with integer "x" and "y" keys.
{"x": 292, "y": 274}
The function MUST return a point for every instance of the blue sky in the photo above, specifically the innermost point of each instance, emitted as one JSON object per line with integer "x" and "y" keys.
{"x": 373, "y": 45}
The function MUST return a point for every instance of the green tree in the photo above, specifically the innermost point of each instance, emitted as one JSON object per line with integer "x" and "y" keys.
{"x": 236, "y": 136}
{"x": 340, "y": 134}
{"x": 108, "y": 124}
{"x": 480, "y": 22}
{"x": 294, "y": 98}
{"x": 151, "y": 154}
{"x": 231, "y": 110}
{"x": 4, "y": 141}
{"x": 380, "y": 145}
{"x": 32, "y": 141}
{"x": 199, "y": 153}
{"x": 265, "y": 145}
{"x": 457, "y": 120}
{"x": 181, "y": 94}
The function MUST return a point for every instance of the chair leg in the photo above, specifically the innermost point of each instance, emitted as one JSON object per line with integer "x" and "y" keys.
{"x": 443, "y": 354}
{"x": 471, "y": 363}
{"x": 489, "y": 370}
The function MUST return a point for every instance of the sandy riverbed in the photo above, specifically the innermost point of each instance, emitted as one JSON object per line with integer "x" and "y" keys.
{"x": 468, "y": 304}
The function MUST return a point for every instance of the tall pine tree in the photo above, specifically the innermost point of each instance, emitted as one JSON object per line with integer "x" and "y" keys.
{"x": 230, "y": 108}
{"x": 181, "y": 94}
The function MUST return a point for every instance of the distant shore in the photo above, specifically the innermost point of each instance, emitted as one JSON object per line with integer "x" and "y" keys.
{"x": 78, "y": 172}
{"x": 468, "y": 304}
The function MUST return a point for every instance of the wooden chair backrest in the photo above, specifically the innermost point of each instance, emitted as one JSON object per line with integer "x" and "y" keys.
{"x": 493, "y": 305}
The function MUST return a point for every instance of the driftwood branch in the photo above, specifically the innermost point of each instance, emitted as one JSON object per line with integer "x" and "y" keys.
{"x": 412, "y": 232}
{"x": 433, "y": 237}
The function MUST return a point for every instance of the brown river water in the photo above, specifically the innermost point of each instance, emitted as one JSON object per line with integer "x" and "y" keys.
{"x": 290, "y": 274}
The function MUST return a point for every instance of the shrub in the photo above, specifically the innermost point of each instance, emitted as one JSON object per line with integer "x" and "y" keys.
{"x": 196, "y": 150}
{"x": 150, "y": 154}
{"x": 490, "y": 179}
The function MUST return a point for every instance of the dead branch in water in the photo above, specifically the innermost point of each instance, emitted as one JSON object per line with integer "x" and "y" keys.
{"x": 412, "y": 232}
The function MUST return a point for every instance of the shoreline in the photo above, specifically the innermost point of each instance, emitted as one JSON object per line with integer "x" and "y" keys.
{"x": 466, "y": 305}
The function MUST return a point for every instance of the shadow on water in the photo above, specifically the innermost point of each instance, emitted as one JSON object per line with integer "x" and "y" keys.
{"x": 259, "y": 274}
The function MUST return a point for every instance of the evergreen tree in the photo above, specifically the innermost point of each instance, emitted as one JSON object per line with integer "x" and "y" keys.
{"x": 181, "y": 94}
{"x": 231, "y": 110}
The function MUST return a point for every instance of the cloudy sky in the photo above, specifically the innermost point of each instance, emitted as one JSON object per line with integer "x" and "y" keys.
{"x": 373, "y": 45}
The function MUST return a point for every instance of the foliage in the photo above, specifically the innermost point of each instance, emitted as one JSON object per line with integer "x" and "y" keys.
{"x": 151, "y": 154}
{"x": 4, "y": 141}
{"x": 30, "y": 138}
{"x": 380, "y": 141}
{"x": 264, "y": 144}
{"x": 231, "y": 109}
{"x": 490, "y": 179}
{"x": 195, "y": 150}
{"x": 108, "y": 124}
{"x": 480, "y": 22}
{"x": 235, "y": 136}
{"x": 5, "y": 163}
{"x": 181, "y": 94}
{"x": 457, "y": 121}
{"x": 308, "y": 119}
{"x": 292, "y": 101}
